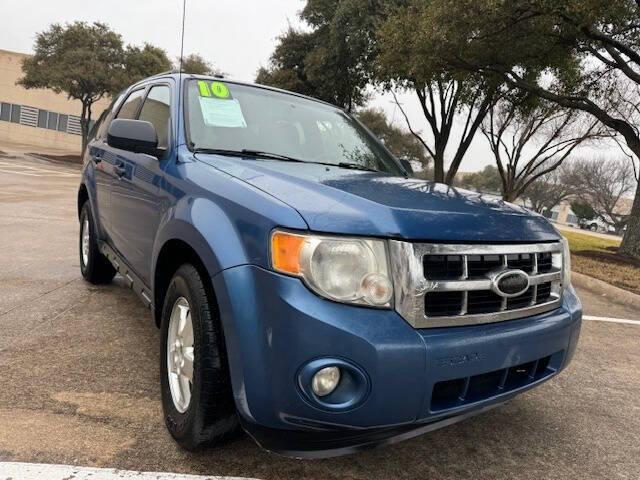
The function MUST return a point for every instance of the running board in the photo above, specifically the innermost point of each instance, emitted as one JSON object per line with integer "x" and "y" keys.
{"x": 133, "y": 281}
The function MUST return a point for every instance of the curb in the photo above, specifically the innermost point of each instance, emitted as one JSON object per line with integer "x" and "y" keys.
{"x": 614, "y": 293}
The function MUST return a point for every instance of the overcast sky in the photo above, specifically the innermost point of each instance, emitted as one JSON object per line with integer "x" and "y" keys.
{"x": 236, "y": 35}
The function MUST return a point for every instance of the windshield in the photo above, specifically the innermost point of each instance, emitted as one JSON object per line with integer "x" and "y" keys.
{"x": 230, "y": 117}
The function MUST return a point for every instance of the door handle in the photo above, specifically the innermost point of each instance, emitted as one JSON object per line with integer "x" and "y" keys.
{"x": 120, "y": 171}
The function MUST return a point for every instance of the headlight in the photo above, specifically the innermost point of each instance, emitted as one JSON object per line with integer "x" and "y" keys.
{"x": 349, "y": 270}
{"x": 566, "y": 263}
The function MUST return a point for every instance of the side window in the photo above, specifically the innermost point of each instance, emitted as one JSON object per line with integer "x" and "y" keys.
{"x": 130, "y": 106}
{"x": 156, "y": 109}
{"x": 100, "y": 128}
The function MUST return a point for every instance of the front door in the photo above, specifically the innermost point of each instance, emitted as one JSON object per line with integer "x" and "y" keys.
{"x": 135, "y": 196}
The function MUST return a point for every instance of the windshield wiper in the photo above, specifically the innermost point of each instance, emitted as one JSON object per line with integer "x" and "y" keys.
{"x": 277, "y": 156}
{"x": 354, "y": 166}
{"x": 248, "y": 153}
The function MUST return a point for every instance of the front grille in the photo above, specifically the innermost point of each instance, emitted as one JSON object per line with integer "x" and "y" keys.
{"x": 449, "y": 285}
{"x": 462, "y": 391}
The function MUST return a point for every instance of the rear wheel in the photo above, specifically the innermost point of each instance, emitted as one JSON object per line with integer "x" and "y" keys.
{"x": 94, "y": 266}
{"x": 196, "y": 390}
{"x": 593, "y": 227}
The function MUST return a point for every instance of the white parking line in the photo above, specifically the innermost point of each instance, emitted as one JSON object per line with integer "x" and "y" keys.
{"x": 612, "y": 320}
{"x": 37, "y": 471}
{"x": 31, "y": 170}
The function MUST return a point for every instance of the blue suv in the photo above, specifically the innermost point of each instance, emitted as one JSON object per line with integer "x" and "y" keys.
{"x": 308, "y": 289}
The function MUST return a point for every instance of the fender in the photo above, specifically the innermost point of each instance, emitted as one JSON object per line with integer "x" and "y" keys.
{"x": 223, "y": 232}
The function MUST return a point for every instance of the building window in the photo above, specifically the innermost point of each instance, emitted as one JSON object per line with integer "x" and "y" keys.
{"x": 554, "y": 215}
{"x": 42, "y": 119}
{"x": 62, "y": 122}
{"x": 15, "y": 113}
{"x": 571, "y": 218}
{"x": 36, "y": 117}
{"x": 5, "y": 112}
{"x": 52, "y": 124}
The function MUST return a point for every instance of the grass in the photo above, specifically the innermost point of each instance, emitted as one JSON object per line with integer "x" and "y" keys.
{"x": 598, "y": 258}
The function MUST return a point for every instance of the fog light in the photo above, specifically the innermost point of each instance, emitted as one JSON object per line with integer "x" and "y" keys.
{"x": 325, "y": 381}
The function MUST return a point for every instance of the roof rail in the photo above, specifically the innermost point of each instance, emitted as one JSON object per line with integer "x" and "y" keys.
{"x": 168, "y": 72}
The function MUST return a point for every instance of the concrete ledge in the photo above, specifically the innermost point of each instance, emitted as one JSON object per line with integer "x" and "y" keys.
{"x": 612, "y": 292}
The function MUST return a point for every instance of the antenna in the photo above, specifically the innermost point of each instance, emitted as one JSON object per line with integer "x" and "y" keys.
{"x": 184, "y": 14}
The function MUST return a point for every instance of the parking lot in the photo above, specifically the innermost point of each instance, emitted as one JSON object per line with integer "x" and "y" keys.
{"x": 80, "y": 376}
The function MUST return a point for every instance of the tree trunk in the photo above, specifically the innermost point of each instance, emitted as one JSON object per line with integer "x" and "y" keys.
{"x": 631, "y": 241}
{"x": 85, "y": 120}
{"x": 438, "y": 169}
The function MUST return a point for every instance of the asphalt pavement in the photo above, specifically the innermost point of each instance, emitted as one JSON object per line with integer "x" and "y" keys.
{"x": 79, "y": 377}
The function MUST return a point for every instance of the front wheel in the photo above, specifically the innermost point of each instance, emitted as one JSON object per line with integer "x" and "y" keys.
{"x": 196, "y": 389}
{"x": 94, "y": 266}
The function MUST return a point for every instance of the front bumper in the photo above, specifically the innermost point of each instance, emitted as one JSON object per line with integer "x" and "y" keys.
{"x": 274, "y": 326}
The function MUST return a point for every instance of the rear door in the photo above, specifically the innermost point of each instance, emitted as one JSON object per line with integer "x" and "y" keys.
{"x": 102, "y": 171}
{"x": 135, "y": 196}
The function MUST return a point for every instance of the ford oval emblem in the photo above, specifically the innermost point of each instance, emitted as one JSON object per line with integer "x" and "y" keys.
{"x": 510, "y": 283}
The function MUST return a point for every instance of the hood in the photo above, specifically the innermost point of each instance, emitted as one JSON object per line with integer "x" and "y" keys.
{"x": 337, "y": 200}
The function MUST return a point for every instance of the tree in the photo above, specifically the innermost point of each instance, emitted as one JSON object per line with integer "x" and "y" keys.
{"x": 529, "y": 140}
{"x": 445, "y": 102}
{"x": 82, "y": 60}
{"x": 331, "y": 60}
{"x": 602, "y": 183}
{"x": 487, "y": 180}
{"x": 448, "y": 98}
{"x": 550, "y": 189}
{"x": 400, "y": 142}
{"x": 583, "y": 210}
{"x": 197, "y": 65}
{"x": 88, "y": 62}
{"x": 142, "y": 62}
{"x": 582, "y": 55}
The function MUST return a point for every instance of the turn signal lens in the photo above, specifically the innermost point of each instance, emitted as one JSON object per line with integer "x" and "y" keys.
{"x": 285, "y": 252}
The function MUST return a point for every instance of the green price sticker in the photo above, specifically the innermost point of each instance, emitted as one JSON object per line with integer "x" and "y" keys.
{"x": 204, "y": 88}
{"x": 220, "y": 90}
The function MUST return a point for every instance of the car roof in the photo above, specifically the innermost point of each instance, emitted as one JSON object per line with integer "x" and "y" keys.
{"x": 187, "y": 76}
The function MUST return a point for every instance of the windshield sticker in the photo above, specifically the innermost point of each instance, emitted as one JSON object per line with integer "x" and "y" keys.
{"x": 217, "y": 89}
{"x": 222, "y": 113}
{"x": 220, "y": 90}
{"x": 204, "y": 88}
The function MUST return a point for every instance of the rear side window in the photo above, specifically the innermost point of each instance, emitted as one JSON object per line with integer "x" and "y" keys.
{"x": 156, "y": 109}
{"x": 130, "y": 106}
{"x": 100, "y": 127}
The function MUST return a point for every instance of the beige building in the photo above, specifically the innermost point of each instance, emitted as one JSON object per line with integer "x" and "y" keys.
{"x": 37, "y": 120}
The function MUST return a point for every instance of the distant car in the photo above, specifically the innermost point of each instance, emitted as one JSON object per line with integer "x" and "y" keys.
{"x": 597, "y": 225}
{"x": 306, "y": 287}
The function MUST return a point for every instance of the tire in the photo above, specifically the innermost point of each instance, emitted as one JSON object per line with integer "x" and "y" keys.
{"x": 95, "y": 267}
{"x": 209, "y": 417}
{"x": 593, "y": 228}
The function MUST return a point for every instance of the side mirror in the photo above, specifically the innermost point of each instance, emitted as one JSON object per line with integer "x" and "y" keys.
{"x": 406, "y": 164}
{"x": 136, "y": 136}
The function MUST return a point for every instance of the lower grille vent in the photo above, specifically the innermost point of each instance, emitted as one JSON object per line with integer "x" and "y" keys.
{"x": 462, "y": 391}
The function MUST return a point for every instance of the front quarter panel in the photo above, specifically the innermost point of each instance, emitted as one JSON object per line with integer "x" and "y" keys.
{"x": 226, "y": 221}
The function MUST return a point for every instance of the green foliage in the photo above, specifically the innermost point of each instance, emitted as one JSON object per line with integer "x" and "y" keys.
{"x": 142, "y": 62}
{"x": 400, "y": 142}
{"x": 88, "y": 62}
{"x": 197, "y": 65}
{"x": 84, "y": 61}
{"x": 447, "y": 96}
{"x": 583, "y": 210}
{"x": 487, "y": 180}
{"x": 332, "y": 59}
